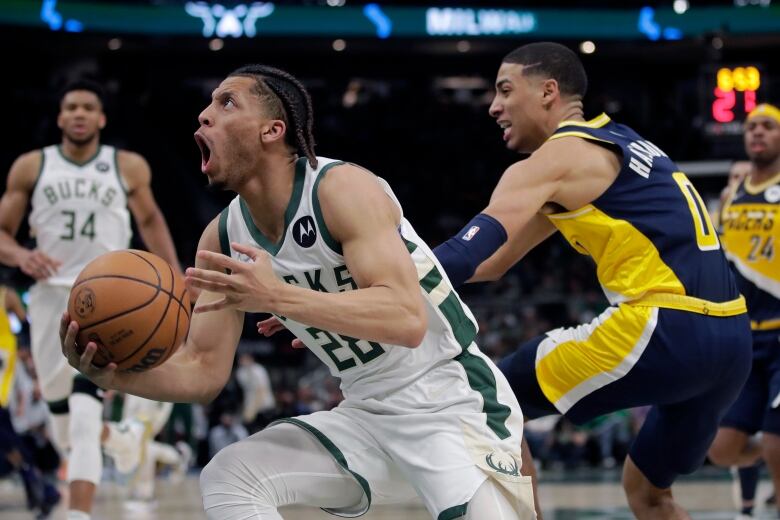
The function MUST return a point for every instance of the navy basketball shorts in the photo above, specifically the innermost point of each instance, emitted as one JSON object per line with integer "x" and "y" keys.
{"x": 756, "y": 408}
{"x": 688, "y": 366}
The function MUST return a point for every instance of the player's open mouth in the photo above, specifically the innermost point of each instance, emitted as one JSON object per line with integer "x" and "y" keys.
{"x": 506, "y": 127}
{"x": 205, "y": 151}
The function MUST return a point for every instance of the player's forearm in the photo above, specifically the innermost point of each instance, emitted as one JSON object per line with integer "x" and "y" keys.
{"x": 378, "y": 314}
{"x": 184, "y": 378}
{"x": 9, "y": 249}
{"x": 155, "y": 234}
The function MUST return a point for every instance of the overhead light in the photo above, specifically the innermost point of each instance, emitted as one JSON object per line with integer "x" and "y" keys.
{"x": 587, "y": 47}
{"x": 339, "y": 45}
{"x": 680, "y": 6}
{"x": 216, "y": 44}
{"x": 336, "y": 3}
{"x": 114, "y": 44}
{"x": 463, "y": 46}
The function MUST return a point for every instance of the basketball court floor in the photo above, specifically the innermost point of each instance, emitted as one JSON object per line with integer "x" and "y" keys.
{"x": 593, "y": 495}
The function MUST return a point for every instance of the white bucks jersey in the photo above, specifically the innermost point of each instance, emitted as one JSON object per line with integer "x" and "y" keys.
{"x": 308, "y": 256}
{"x": 79, "y": 211}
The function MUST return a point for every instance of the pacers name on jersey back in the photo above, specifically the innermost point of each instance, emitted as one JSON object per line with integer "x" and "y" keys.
{"x": 79, "y": 211}
{"x": 308, "y": 256}
{"x": 749, "y": 230}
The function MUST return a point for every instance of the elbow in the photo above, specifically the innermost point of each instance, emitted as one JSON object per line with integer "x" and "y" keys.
{"x": 415, "y": 328}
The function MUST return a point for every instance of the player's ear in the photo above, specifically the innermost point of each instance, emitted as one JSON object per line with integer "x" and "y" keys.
{"x": 273, "y": 130}
{"x": 102, "y": 121}
{"x": 550, "y": 91}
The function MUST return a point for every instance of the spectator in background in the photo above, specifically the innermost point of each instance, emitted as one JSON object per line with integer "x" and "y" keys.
{"x": 259, "y": 403}
{"x": 228, "y": 431}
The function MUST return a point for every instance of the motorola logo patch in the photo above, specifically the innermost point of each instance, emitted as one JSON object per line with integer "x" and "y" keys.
{"x": 304, "y": 232}
{"x": 102, "y": 167}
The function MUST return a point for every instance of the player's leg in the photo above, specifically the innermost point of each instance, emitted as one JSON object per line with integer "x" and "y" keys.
{"x": 519, "y": 368}
{"x": 734, "y": 445}
{"x": 673, "y": 441}
{"x": 281, "y": 465}
{"x": 770, "y": 440}
{"x": 492, "y": 501}
{"x": 747, "y": 479}
{"x": 85, "y": 462}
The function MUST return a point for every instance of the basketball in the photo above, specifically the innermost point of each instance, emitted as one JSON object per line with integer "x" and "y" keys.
{"x": 134, "y": 306}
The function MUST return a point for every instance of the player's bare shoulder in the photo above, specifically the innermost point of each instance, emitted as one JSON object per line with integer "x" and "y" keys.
{"x": 584, "y": 168}
{"x": 25, "y": 170}
{"x": 349, "y": 191}
{"x": 134, "y": 169}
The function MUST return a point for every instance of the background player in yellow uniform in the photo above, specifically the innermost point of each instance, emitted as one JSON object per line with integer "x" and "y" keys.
{"x": 82, "y": 194}
{"x": 749, "y": 232}
{"x": 14, "y": 455}
{"x": 676, "y": 336}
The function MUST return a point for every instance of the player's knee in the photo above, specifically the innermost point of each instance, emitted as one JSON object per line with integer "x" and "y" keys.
{"x": 223, "y": 470}
{"x": 86, "y": 421}
{"x": 722, "y": 452}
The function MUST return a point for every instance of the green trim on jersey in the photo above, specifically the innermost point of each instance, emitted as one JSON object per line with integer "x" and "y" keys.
{"x": 40, "y": 171}
{"x": 315, "y": 199}
{"x": 292, "y": 208}
{"x": 464, "y": 330}
{"x": 482, "y": 380}
{"x": 224, "y": 240}
{"x": 80, "y": 165}
{"x": 336, "y": 453}
{"x": 462, "y": 327}
{"x": 58, "y": 407}
{"x": 119, "y": 174}
{"x": 451, "y": 513}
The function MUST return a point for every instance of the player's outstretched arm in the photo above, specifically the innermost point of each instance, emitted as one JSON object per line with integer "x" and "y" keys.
{"x": 146, "y": 213}
{"x": 388, "y": 306}
{"x": 195, "y": 373}
{"x": 509, "y": 226}
{"x": 13, "y": 206}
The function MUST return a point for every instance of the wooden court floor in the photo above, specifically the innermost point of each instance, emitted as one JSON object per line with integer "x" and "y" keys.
{"x": 706, "y": 499}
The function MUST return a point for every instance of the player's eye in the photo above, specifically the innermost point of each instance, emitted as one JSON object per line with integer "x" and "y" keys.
{"x": 228, "y": 102}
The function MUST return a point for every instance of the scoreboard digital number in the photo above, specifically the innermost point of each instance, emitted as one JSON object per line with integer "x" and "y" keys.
{"x": 735, "y": 93}
{"x": 730, "y": 94}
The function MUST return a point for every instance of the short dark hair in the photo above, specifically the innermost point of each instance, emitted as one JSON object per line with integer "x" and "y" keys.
{"x": 287, "y": 100}
{"x": 84, "y": 84}
{"x": 554, "y": 61}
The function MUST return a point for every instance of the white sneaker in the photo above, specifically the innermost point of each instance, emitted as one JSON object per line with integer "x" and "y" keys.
{"x": 128, "y": 453}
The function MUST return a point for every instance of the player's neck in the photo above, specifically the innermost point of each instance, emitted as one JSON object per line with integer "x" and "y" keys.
{"x": 268, "y": 194}
{"x": 79, "y": 153}
{"x": 761, "y": 173}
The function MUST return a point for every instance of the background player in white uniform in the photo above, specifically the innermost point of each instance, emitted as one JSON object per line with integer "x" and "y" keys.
{"x": 80, "y": 192}
{"x": 155, "y": 415}
{"x": 425, "y": 412}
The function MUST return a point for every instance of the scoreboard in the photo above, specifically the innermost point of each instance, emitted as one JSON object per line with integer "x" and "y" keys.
{"x": 731, "y": 93}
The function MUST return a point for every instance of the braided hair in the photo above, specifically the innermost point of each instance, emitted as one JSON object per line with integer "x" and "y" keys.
{"x": 288, "y": 100}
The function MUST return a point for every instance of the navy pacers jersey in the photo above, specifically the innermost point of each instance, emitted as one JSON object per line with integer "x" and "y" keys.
{"x": 649, "y": 232}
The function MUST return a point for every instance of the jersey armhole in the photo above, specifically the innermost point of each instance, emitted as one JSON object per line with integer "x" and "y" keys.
{"x": 331, "y": 242}
{"x": 224, "y": 241}
{"x": 38, "y": 176}
{"x": 119, "y": 177}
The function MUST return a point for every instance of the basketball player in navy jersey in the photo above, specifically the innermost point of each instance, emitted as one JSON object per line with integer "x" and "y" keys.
{"x": 677, "y": 335}
{"x": 82, "y": 195}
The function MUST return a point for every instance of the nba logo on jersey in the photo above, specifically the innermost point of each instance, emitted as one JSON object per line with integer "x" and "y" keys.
{"x": 304, "y": 232}
{"x": 473, "y": 230}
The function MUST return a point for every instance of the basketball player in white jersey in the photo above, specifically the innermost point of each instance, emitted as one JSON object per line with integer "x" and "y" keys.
{"x": 323, "y": 245}
{"x": 80, "y": 192}
{"x": 156, "y": 415}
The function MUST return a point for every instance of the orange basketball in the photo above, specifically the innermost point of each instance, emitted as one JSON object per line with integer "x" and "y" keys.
{"x": 133, "y": 305}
